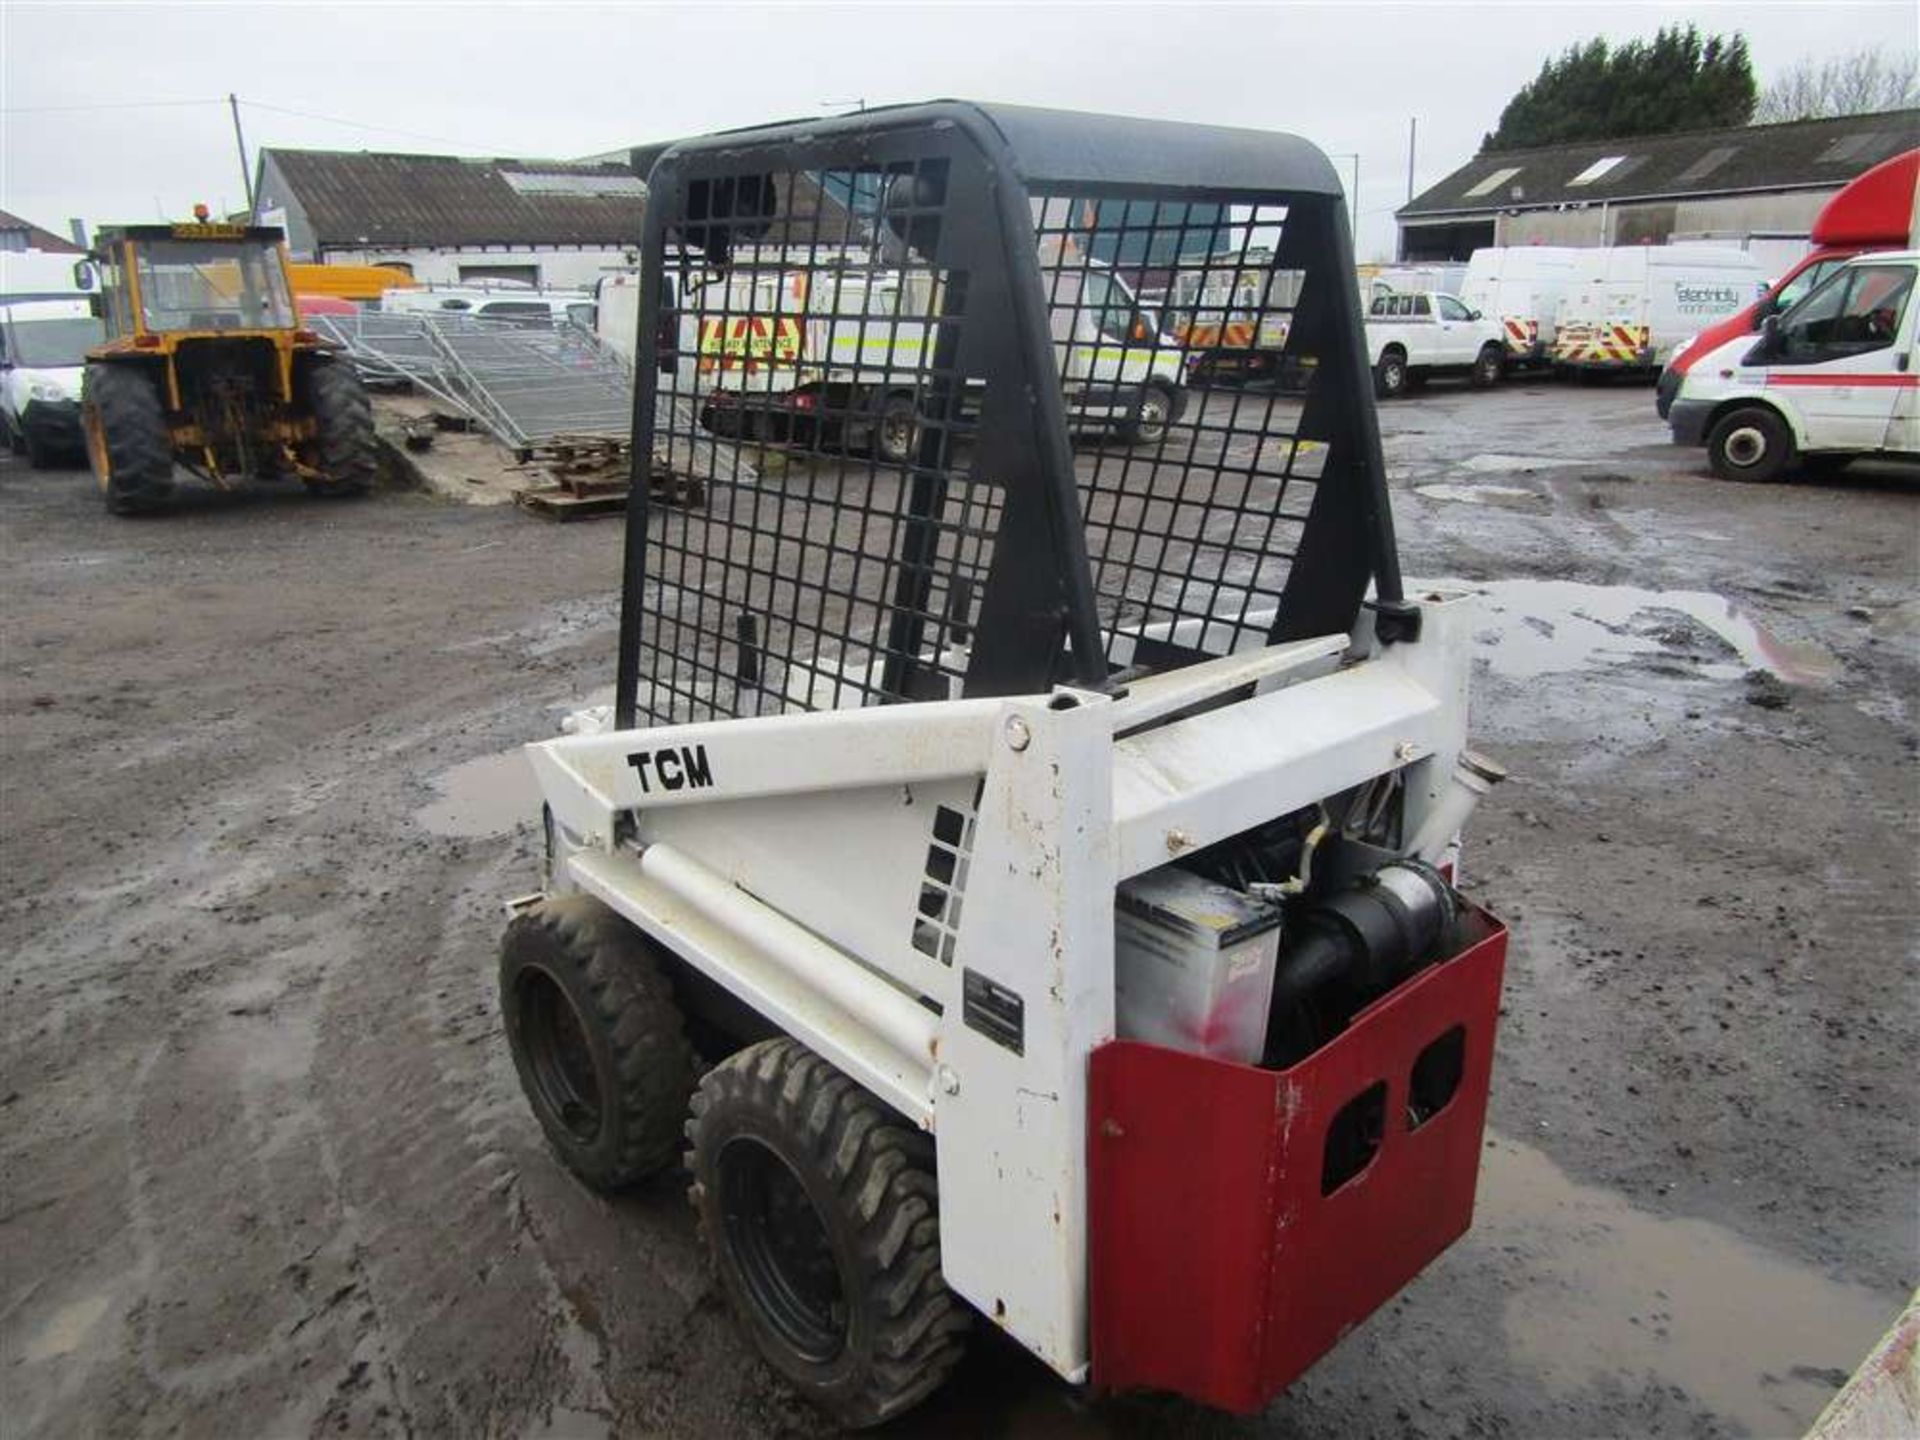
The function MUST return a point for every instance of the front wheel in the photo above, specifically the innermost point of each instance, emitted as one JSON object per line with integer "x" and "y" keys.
{"x": 896, "y": 433}
{"x": 1390, "y": 376}
{"x": 1751, "y": 444}
{"x": 1152, "y": 416}
{"x": 1488, "y": 366}
{"x": 818, "y": 1205}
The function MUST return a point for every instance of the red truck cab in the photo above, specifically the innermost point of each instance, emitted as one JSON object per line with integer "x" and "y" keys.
{"x": 1876, "y": 210}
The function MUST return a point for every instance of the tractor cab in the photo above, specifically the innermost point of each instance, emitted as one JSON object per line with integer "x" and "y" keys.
{"x": 204, "y": 367}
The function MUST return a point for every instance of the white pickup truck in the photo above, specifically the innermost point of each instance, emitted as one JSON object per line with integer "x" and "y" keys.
{"x": 1414, "y": 334}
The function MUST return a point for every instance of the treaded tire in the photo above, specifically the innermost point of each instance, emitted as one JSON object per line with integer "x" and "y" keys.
{"x": 343, "y": 430}
{"x": 1752, "y": 444}
{"x": 128, "y": 445}
{"x": 896, "y": 433}
{"x": 597, "y": 1038}
{"x": 1154, "y": 411}
{"x": 856, "y": 1219}
{"x": 1390, "y": 376}
{"x": 1488, "y": 366}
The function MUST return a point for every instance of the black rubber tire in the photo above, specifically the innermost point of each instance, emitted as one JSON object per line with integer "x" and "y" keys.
{"x": 128, "y": 445}
{"x": 1390, "y": 377}
{"x": 1488, "y": 366}
{"x": 1154, "y": 411}
{"x": 40, "y": 453}
{"x": 896, "y": 432}
{"x": 343, "y": 430}
{"x": 804, "y": 1182}
{"x": 1751, "y": 444}
{"x": 597, "y": 1038}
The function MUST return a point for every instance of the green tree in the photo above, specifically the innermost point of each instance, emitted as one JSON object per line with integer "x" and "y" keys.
{"x": 1679, "y": 80}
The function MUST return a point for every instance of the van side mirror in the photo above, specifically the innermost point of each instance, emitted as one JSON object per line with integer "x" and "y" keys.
{"x": 1770, "y": 343}
{"x": 84, "y": 275}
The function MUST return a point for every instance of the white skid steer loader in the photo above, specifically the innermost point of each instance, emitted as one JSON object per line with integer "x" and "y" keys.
{"x": 1020, "y": 874}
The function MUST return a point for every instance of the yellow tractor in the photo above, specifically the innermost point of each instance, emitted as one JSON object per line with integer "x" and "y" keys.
{"x": 205, "y": 366}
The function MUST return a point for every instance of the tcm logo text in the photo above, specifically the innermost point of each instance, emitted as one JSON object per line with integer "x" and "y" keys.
{"x": 678, "y": 767}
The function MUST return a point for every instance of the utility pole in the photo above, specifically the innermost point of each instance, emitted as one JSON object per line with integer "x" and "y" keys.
{"x": 239, "y": 139}
{"x": 1413, "y": 137}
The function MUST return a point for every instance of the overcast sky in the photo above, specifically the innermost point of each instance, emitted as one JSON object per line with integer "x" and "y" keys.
{"x": 565, "y": 80}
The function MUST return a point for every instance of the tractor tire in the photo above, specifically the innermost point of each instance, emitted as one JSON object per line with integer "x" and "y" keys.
{"x": 819, "y": 1208}
{"x": 40, "y": 452}
{"x": 1488, "y": 366}
{"x": 1751, "y": 444}
{"x": 1390, "y": 376}
{"x": 597, "y": 1038}
{"x": 128, "y": 445}
{"x": 1153, "y": 415}
{"x": 896, "y": 434}
{"x": 343, "y": 430}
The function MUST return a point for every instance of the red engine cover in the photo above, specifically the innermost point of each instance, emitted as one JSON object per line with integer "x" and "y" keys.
{"x": 1219, "y": 1268}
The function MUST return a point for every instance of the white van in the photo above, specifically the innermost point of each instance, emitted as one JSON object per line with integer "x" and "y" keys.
{"x": 1835, "y": 377}
{"x": 540, "y": 309}
{"x": 43, "y": 353}
{"x": 1522, "y": 287}
{"x": 1630, "y": 305}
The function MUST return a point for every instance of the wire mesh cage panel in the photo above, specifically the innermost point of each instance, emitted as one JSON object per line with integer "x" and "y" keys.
{"x": 988, "y": 400}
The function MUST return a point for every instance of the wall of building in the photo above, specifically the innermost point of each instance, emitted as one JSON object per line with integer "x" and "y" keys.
{"x": 1733, "y": 219}
{"x": 568, "y": 267}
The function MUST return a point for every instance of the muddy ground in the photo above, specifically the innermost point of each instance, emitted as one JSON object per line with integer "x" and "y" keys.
{"x": 268, "y": 1172}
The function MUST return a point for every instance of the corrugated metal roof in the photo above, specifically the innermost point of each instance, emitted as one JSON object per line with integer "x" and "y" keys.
{"x": 1803, "y": 154}
{"x": 366, "y": 197}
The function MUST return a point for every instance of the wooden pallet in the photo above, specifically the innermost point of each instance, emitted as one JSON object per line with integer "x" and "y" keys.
{"x": 587, "y": 480}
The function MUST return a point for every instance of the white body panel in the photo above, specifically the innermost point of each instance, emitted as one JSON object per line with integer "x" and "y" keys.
{"x": 1522, "y": 287}
{"x": 1630, "y": 305}
{"x": 787, "y": 857}
{"x": 23, "y": 382}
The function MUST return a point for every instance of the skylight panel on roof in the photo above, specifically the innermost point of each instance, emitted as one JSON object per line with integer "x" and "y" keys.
{"x": 1706, "y": 164}
{"x": 1594, "y": 171}
{"x": 1492, "y": 182}
{"x": 1851, "y": 147}
{"x": 560, "y": 182}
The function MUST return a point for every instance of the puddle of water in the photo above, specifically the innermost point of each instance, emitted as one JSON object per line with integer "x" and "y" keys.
{"x": 1540, "y": 627}
{"x": 64, "y": 1333}
{"x": 482, "y": 797}
{"x": 1486, "y": 464}
{"x": 1607, "y": 1288}
{"x": 1472, "y": 494}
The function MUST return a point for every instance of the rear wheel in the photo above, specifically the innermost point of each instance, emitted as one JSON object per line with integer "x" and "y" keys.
{"x": 1390, "y": 375}
{"x": 1488, "y": 366}
{"x": 597, "y": 1038}
{"x": 343, "y": 430}
{"x": 128, "y": 445}
{"x": 818, "y": 1205}
{"x": 1750, "y": 444}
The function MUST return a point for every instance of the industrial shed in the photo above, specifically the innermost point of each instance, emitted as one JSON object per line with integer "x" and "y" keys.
{"x": 447, "y": 219}
{"x": 1759, "y": 186}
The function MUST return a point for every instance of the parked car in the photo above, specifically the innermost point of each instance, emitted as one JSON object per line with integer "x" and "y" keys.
{"x": 43, "y": 351}
{"x": 1428, "y": 332}
{"x": 540, "y": 309}
{"x": 1833, "y": 379}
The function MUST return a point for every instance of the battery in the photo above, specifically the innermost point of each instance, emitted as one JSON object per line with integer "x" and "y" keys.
{"x": 1194, "y": 964}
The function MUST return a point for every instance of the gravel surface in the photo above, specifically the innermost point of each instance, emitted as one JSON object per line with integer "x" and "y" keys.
{"x": 267, "y": 1170}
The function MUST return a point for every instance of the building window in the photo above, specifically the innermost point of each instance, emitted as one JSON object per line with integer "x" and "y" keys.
{"x": 1493, "y": 182}
{"x": 1597, "y": 169}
